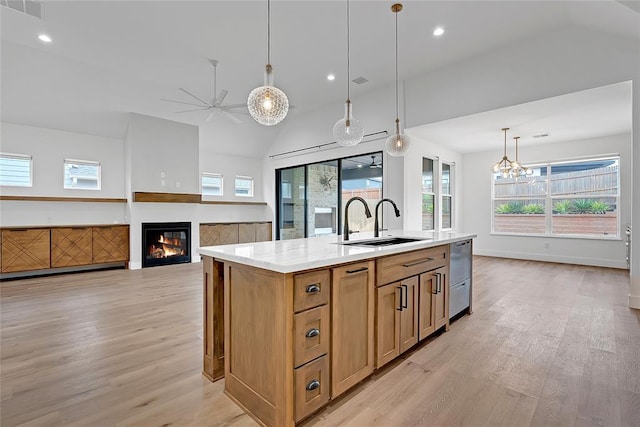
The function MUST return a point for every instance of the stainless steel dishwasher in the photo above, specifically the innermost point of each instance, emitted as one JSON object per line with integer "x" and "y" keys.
{"x": 459, "y": 277}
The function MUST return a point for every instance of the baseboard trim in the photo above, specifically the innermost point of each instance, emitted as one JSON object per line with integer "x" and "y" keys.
{"x": 596, "y": 262}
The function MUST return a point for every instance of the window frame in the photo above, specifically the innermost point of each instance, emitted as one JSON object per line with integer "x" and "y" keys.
{"x": 244, "y": 178}
{"x": 434, "y": 191}
{"x": 449, "y": 195}
{"x": 549, "y": 200}
{"x": 16, "y": 156}
{"x": 86, "y": 163}
{"x": 211, "y": 175}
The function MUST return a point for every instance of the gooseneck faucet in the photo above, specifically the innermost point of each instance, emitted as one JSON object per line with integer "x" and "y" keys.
{"x": 367, "y": 212}
{"x": 376, "y": 232}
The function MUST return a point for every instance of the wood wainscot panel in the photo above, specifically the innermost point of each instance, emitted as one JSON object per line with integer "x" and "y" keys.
{"x": 71, "y": 246}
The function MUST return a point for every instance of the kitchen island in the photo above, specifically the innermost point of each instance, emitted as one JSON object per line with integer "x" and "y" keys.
{"x": 293, "y": 324}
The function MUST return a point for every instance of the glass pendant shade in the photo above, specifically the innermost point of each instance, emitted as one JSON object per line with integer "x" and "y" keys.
{"x": 398, "y": 144}
{"x": 267, "y": 104}
{"x": 348, "y": 131}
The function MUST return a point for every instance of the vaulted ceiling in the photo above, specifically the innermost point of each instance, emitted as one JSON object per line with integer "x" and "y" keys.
{"x": 109, "y": 58}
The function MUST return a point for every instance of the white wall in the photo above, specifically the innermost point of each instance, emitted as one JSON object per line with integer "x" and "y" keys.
{"x": 160, "y": 146}
{"x": 476, "y": 177}
{"x": 49, "y": 148}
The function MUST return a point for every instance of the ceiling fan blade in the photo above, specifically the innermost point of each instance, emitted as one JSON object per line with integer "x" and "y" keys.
{"x": 231, "y": 117}
{"x": 197, "y": 109}
{"x": 220, "y": 98}
{"x": 211, "y": 114}
{"x": 234, "y": 106}
{"x": 185, "y": 103}
{"x": 196, "y": 97}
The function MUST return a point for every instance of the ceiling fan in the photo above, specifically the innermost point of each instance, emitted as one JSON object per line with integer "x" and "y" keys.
{"x": 374, "y": 164}
{"x": 215, "y": 106}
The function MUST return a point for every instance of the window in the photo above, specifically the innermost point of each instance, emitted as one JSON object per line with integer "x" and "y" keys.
{"x": 428, "y": 194}
{"x": 212, "y": 184}
{"x": 570, "y": 198}
{"x": 81, "y": 174}
{"x": 244, "y": 186}
{"x": 16, "y": 170}
{"x": 447, "y": 196}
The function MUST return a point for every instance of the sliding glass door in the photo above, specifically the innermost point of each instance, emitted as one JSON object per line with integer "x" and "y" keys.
{"x": 311, "y": 198}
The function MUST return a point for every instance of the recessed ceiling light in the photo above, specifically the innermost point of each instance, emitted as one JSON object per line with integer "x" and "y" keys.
{"x": 438, "y": 31}
{"x": 45, "y": 38}
{"x": 331, "y": 77}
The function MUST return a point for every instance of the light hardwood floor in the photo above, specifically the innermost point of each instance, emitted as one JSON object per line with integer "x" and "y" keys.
{"x": 548, "y": 344}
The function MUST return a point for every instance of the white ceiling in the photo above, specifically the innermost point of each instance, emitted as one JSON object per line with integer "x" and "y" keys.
{"x": 578, "y": 116}
{"x": 109, "y": 58}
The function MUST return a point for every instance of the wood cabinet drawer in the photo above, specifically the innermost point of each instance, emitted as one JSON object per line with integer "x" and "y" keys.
{"x": 397, "y": 267}
{"x": 311, "y": 289}
{"x": 24, "y": 250}
{"x": 311, "y": 387}
{"x": 311, "y": 334}
{"x": 71, "y": 246}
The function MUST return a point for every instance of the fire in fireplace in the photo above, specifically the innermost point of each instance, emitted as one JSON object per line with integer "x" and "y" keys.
{"x": 165, "y": 243}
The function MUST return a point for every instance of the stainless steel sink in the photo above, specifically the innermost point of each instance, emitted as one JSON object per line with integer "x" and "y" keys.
{"x": 384, "y": 241}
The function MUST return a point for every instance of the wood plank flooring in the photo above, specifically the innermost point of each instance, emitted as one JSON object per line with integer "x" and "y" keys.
{"x": 547, "y": 345}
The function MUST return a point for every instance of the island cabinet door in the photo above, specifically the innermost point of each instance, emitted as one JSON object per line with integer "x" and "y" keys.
{"x": 352, "y": 325}
{"x": 441, "y": 303}
{"x": 426, "y": 315}
{"x": 396, "y": 319}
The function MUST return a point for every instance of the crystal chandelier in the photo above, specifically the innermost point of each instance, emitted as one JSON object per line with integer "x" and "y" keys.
{"x": 397, "y": 144}
{"x": 348, "y": 131}
{"x": 267, "y": 104}
{"x": 504, "y": 165}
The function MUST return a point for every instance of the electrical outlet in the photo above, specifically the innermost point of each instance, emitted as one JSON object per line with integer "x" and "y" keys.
{"x": 177, "y": 184}
{"x": 163, "y": 183}
{"x": 163, "y": 175}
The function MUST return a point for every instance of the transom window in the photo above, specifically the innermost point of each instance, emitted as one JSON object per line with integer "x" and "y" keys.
{"x": 212, "y": 184}
{"x": 568, "y": 198}
{"x": 244, "y": 186}
{"x": 16, "y": 170}
{"x": 81, "y": 174}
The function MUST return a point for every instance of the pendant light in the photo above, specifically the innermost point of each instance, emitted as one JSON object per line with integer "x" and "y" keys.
{"x": 504, "y": 165}
{"x": 398, "y": 144}
{"x": 348, "y": 131}
{"x": 518, "y": 169}
{"x": 267, "y": 104}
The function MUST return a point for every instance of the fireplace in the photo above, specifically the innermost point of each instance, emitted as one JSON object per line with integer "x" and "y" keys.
{"x": 165, "y": 243}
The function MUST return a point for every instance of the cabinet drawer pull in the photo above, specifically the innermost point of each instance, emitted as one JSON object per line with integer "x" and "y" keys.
{"x": 434, "y": 286}
{"x": 313, "y": 332}
{"x": 313, "y": 385}
{"x": 357, "y": 270}
{"x": 399, "y": 308}
{"x": 439, "y": 282}
{"x": 411, "y": 264}
{"x": 313, "y": 289}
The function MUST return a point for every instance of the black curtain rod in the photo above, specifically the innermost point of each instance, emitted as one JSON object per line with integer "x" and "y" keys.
{"x": 325, "y": 145}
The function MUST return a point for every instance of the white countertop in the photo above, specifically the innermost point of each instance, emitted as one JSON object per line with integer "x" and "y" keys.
{"x": 287, "y": 256}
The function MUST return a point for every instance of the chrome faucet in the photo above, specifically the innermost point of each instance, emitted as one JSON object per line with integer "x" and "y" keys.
{"x": 376, "y": 232}
{"x": 367, "y": 212}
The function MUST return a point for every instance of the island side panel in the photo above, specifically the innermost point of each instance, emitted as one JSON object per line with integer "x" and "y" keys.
{"x": 213, "y": 318}
{"x": 258, "y": 307}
